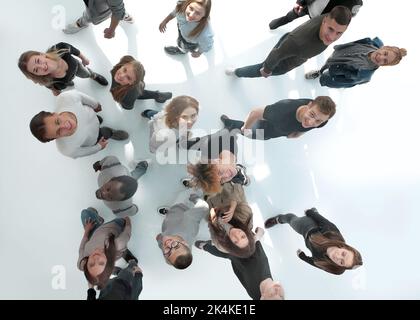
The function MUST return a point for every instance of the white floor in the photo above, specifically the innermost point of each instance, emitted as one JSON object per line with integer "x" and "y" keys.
{"x": 361, "y": 171}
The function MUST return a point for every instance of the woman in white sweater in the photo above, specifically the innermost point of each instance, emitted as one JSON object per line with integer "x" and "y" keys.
{"x": 74, "y": 126}
{"x": 171, "y": 126}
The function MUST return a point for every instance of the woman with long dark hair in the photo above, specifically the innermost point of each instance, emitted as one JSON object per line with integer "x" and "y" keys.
{"x": 329, "y": 249}
{"x": 102, "y": 244}
{"x": 128, "y": 84}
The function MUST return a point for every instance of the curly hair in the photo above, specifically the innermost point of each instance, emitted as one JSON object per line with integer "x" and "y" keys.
{"x": 175, "y": 108}
{"x": 206, "y": 177}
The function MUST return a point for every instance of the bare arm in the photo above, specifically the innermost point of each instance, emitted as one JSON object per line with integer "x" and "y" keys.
{"x": 162, "y": 25}
{"x": 255, "y": 115}
{"x": 109, "y": 32}
{"x": 295, "y": 135}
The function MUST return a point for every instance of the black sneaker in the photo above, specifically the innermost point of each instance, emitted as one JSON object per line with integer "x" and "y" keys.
{"x": 201, "y": 243}
{"x": 271, "y": 222}
{"x": 163, "y": 96}
{"x": 119, "y": 135}
{"x": 245, "y": 180}
{"x": 186, "y": 182}
{"x": 163, "y": 210}
{"x": 144, "y": 114}
{"x": 116, "y": 271}
{"x": 99, "y": 79}
{"x": 129, "y": 256}
{"x": 174, "y": 50}
{"x": 274, "y": 24}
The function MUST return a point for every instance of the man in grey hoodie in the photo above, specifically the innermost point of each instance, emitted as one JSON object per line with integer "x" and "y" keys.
{"x": 180, "y": 228}
{"x": 117, "y": 185}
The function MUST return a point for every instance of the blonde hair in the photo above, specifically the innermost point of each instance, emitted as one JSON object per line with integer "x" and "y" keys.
{"x": 120, "y": 91}
{"x": 399, "y": 54}
{"x": 51, "y": 53}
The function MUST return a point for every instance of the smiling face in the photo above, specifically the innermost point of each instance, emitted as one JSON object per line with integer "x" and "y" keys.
{"x": 96, "y": 262}
{"x": 238, "y": 237}
{"x": 41, "y": 65}
{"x": 189, "y": 116}
{"x": 341, "y": 256}
{"x": 383, "y": 57}
{"x": 330, "y": 31}
{"x": 59, "y": 125}
{"x": 173, "y": 247}
{"x": 312, "y": 117}
{"x": 194, "y": 12}
{"x": 110, "y": 191}
{"x": 125, "y": 75}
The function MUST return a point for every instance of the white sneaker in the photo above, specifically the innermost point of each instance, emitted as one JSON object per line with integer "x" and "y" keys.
{"x": 230, "y": 71}
{"x": 128, "y": 18}
{"x": 73, "y": 28}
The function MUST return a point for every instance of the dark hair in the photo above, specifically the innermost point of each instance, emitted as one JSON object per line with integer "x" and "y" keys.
{"x": 341, "y": 15}
{"x": 128, "y": 186}
{"x": 220, "y": 237}
{"x": 326, "y": 105}
{"x": 183, "y": 261}
{"x": 119, "y": 91}
{"x": 182, "y": 6}
{"x": 333, "y": 239}
{"x": 37, "y": 126}
{"x": 111, "y": 254}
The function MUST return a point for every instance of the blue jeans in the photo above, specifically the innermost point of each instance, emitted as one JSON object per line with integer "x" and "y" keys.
{"x": 98, "y": 221}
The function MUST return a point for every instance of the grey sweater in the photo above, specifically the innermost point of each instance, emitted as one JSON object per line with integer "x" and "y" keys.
{"x": 184, "y": 217}
{"x": 83, "y": 141}
{"x": 100, "y": 10}
{"x": 111, "y": 168}
{"x": 99, "y": 239}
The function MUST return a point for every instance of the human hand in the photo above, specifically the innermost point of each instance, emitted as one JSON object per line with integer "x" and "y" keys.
{"x": 265, "y": 74}
{"x": 162, "y": 26}
{"x": 85, "y": 61}
{"x": 98, "y": 108}
{"x": 195, "y": 54}
{"x": 103, "y": 142}
{"x": 227, "y": 216}
{"x": 89, "y": 225}
{"x": 109, "y": 33}
{"x": 298, "y": 8}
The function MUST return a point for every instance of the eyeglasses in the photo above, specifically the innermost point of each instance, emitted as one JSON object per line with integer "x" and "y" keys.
{"x": 174, "y": 245}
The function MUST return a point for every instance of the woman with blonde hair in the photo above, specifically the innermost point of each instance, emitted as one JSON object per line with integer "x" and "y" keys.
{"x": 329, "y": 249}
{"x": 355, "y": 62}
{"x": 173, "y": 124}
{"x": 128, "y": 84}
{"x": 194, "y": 30}
{"x": 57, "y": 68}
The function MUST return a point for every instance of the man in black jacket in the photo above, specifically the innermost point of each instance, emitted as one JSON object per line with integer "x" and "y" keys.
{"x": 314, "y": 8}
